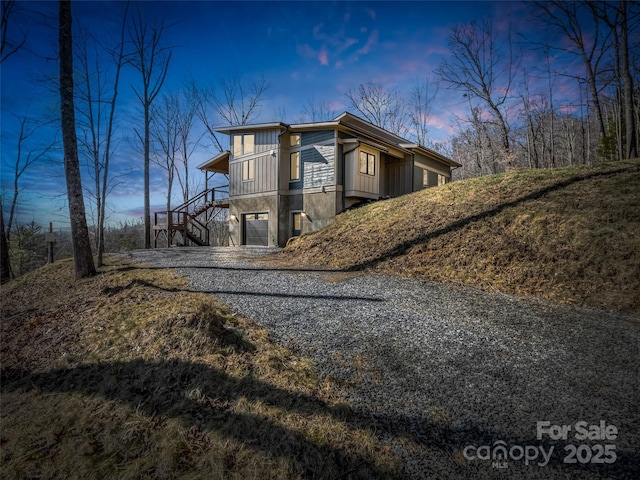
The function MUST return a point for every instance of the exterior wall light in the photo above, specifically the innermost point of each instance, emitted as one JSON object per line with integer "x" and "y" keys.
{"x": 233, "y": 218}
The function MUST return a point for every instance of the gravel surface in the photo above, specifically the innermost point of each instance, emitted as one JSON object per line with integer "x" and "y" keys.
{"x": 448, "y": 374}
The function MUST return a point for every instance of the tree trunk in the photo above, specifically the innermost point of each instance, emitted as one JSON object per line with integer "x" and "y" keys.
{"x": 630, "y": 150}
{"x": 79, "y": 231}
{"x": 147, "y": 206}
{"x": 5, "y": 265}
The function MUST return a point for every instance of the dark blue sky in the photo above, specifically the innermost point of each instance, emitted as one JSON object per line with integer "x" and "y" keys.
{"x": 303, "y": 50}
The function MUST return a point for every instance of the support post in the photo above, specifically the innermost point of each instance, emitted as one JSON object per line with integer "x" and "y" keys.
{"x": 50, "y": 238}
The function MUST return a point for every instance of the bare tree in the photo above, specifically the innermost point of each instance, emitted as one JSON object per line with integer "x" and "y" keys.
{"x": 232, "y": 102}
{"x": 80, "y": 233}
{"x": 165, "y": 134}
{"x": 99, "y": 109}
{"x": 186, "y": 143}
{"x": 478, "y": 68}
{"x": 5, "y": 264}
{"x": 151, "y": 59}
{"x": 589, "y": 41}
{"x": 423, "y": 96}
{"x": 616, "y": 17}
{"x": 26, "y": 156}
{"x": 318, "y": 110}
{"x": 9, "y": 45}
{"x": 385, "y": 108}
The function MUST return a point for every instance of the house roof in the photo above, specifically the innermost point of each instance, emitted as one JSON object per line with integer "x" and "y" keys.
{"x": 250, "y": 128}
{"x": 217, "y": 164}
{"x": 366, "y": 132}
{"x": 429, "y": 153}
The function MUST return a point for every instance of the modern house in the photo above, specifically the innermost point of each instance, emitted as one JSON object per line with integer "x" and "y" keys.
{"x": 286, "y": 180}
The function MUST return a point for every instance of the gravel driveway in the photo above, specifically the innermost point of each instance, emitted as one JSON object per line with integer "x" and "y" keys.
{"x": 455, "y": 379}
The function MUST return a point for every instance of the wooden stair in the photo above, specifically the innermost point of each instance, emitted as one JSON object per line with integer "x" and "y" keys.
{"x": 187, "y": 219}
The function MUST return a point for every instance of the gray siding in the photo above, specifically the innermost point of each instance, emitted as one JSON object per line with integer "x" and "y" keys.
{"x": 397, "y": 176}
{"x": 340, "y": 165}
{"x": 311, "y": 138}
{"x": 265, "y": 165}
{"x": 433, "y": 165}
{"x": 417, "y": 179}
{"x": 318, "y": 166}
{"x": 264, "y": 180}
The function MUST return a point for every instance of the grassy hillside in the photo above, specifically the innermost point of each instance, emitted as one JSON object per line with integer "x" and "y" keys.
{"x": 131, "y": 375}
{"x": 569, "y": 234}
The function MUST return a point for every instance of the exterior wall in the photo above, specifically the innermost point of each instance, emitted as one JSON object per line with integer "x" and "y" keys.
{"x": 418, "y": 178}
{"x": 317, "y": 160}
{"x": 254, "y": 204}
{"x": 265, "y": 164}
{"x": 288, "y": 205}
{"x": 320, "y": 209}
{"x": 397, "y": 176}
{"x": 318, "y": 166}
{"x": 357, "y": 184}
{"x": 427, "y": 163}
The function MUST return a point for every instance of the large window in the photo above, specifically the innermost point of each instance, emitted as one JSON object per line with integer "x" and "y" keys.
{"x": 367, "y": 163}
{"x": 243, "y": 144}
{"x": 295, "y": 166}
{"x": 432, "y": 179}
{"x": 248, "y": 169}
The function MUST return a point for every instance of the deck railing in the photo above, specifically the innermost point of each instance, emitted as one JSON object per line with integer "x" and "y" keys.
{"x": 184, "y": 218}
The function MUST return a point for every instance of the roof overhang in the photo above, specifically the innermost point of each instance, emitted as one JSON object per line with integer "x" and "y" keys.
{"x": 427, "y": 152}
{"x": 251, "y": 128}
{"x": 218, "y": 164}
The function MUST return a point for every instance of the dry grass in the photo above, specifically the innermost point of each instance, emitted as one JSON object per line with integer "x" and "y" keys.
{"x": 131, "y": 375}
{"x": 568, "y": 235}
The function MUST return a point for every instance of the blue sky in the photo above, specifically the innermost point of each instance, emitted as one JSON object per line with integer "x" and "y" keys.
{"x": 302, "y": 49}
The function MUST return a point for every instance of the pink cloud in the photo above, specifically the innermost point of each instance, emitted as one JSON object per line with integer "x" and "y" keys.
{"x": 323, "y": 58}
{"x": 366, "y": 48}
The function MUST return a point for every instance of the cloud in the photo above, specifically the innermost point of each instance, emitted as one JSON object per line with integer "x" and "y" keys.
{"x": 305, "y": 50}
{"x": 366, "y": 48}
{"x": 323, "y": 58}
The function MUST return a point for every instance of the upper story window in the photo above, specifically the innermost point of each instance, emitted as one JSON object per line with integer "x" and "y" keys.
{"x": 243, "y": 144}
{"x": 294, "y": 168}
{"x": 367, "y": 163}
{"x": 294, "y": 139}
{"x": 248, "y": 169}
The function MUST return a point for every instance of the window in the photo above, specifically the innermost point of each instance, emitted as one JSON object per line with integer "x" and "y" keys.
{"x": 367, "y": 163}
{"x": 295, "y": 166}
{"x": 243, "y": 144}
{"x": 441, "y": 179}
{"x": 295, "y": 139}
{"x": 297, "y": 223}
{"x": 430, "y": 179}
{"x": 248, "y": 169}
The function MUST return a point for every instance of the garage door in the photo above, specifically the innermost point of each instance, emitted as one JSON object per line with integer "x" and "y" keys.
{"x": 256, "y": 229}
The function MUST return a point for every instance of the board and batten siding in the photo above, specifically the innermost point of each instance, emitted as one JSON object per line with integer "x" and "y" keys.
{"x": 265, "y": 166}
{"x": 397, "y": 176}
{"x": 358, "y": 184}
